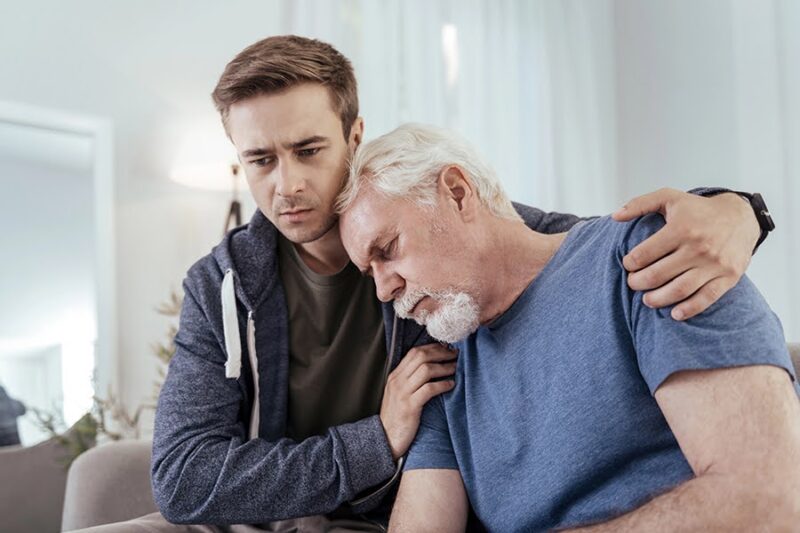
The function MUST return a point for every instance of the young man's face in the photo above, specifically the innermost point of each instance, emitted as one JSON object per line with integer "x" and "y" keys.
{"x": 419, "y": 259}
{"x": 294, "y": 154}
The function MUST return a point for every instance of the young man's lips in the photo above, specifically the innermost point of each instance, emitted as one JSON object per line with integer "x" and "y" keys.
{"x": 295, "y": 215}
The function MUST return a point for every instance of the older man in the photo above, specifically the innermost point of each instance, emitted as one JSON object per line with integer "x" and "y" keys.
{"x": 574, "y": 405}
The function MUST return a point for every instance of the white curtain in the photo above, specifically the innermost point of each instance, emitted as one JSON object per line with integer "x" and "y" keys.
{"x": 529, "y": 83}
{"x": 766, "y": 62}
{"x": 579, "y": 104}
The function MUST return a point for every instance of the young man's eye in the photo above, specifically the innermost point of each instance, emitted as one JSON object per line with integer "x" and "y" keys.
{"x": 308, "y": 152}
{"x": 264, "y": 161}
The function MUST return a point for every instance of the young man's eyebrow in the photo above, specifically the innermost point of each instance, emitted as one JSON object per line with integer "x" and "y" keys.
{"x": 256, "y": 151}
{"x": 296, "y": 145}
{"x": 305, "y": 142}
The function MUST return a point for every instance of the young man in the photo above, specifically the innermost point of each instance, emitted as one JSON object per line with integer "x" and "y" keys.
{"x": 293, "y": 391}
{"x": 575, "y": 405}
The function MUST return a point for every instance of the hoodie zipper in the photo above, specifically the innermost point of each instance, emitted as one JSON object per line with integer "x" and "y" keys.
{"x": 390, "y": 355}
{"x": 255, "y": 415}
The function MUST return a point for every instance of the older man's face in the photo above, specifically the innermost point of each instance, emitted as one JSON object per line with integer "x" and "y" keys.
{"x": 420, "y": 258}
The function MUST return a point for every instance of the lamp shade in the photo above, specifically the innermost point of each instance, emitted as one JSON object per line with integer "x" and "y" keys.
{"x": 203, "y": 161}
{"x": 211, "y": 176}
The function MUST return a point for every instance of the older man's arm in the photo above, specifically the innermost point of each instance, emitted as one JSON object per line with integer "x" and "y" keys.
{"x": 430, "y": 500}
{"x": 739, "y": 428}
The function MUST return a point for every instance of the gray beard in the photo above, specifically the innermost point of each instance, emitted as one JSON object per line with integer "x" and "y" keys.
{"x": 456, "y": 318}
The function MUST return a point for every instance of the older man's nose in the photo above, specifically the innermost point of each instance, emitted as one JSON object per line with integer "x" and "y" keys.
{"x": 388, "y": 285}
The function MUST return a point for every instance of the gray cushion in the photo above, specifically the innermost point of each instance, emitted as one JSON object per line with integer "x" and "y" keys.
{"x": 32, "y": 480}
{"x": 109, "y": 483}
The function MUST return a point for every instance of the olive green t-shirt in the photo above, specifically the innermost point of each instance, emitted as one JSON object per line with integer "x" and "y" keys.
{"x": 337, "y": 350}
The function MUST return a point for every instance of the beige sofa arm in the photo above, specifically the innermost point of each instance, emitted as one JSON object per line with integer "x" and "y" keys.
{"x": 794, "y": 351}
{"x": 109, "y": 483}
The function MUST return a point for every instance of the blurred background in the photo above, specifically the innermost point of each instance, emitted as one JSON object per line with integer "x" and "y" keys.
{"x": 114, "y": 169}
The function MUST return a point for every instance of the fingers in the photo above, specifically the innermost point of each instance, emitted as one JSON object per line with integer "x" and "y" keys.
{"x": 663, "y": 242}
{"x": 428, "y": 391}
{"x": 662, "y": 271}
{"x": 428, "y": 353}
{"x": 703, "y": 299}
{"x": 428, "y": 371}
{"x": 422, "y": 364}
{"x": 409, "y": 388}
{"x": 677, "y": 290}
{"x": 654, "y": 202}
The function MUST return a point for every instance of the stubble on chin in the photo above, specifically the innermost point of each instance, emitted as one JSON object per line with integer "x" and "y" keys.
{"x": 306, "y": 235}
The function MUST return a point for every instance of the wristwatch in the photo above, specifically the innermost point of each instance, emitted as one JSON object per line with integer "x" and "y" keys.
{"x": 760, "y": 209}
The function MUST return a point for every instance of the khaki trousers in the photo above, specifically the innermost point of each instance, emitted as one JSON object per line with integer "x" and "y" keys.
{"x": 155, "y": 523}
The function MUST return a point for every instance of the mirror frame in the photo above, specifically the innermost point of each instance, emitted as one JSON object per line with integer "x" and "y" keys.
{"x": 100, "y": 131}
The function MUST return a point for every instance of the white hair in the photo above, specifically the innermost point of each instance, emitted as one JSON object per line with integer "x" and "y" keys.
{"x": 406, "y": 163}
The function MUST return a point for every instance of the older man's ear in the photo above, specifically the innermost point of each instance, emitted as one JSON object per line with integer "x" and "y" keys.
{"x": 457, "y": 190}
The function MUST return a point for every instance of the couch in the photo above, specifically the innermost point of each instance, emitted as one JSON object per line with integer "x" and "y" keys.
{"x": 111, "y": 483}
{"x": 32, "y": 482}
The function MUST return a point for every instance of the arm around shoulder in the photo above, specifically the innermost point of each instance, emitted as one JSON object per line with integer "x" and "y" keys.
{"x": 204, "y": 464}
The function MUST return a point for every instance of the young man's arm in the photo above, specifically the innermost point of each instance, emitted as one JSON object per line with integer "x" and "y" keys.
{"x": 205, "y": 469}
{"x": 430, "y": 500}
{"x": 739, "y": 429}
{"x": 701, "y": 253}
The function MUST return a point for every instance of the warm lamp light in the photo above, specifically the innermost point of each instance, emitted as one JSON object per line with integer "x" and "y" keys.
{"x": 211, "y": 176}
{"x": 206, "y": 161}
{"x": 204, "y": 157}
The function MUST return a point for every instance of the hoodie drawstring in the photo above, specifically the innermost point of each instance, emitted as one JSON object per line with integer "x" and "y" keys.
{"x": 230, "y": 327}
{"x": 233, "y": 346}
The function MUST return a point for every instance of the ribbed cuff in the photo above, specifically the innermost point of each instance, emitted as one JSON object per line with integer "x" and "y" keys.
{"x": 369, "y": 457}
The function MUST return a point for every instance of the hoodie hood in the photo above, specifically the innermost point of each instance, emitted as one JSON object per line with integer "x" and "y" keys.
{"x": 248, "y": 252}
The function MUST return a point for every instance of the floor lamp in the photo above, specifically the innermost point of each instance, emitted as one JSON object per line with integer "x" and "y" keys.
{"x": 234, "y": 218}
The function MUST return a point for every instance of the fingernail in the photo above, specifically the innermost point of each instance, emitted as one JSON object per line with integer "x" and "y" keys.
{"x": 677, "y": 314}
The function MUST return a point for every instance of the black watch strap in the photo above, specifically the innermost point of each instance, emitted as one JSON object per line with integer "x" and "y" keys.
{"x": 760, "y": 210}
{"x": 763, "y": 216}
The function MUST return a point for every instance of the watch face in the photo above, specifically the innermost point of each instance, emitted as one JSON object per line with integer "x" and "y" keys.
{"x": 762, "y": 213}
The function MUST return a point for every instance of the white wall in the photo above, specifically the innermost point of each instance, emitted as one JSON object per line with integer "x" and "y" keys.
{"x": 47, "y": 283}
{"x": 654, "y": 92}
{"x": 707, "y": 94}
{"x": 149, "y": 67}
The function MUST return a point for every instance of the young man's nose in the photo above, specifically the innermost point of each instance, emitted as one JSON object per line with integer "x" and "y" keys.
{"x": 288, "y": 179}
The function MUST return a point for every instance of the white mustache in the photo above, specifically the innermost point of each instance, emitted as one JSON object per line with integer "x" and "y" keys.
{"x": 408, "y": 301}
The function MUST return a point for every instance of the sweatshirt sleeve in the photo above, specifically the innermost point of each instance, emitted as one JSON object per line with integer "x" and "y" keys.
{"x": 546, "y": 222}
{"x": 551, "y": 222}
{"x": 206, "y": 471}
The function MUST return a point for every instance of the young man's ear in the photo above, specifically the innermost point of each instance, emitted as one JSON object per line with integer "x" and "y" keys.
{"x": 356, "y": 133}
{"x": 457, "y": 189}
